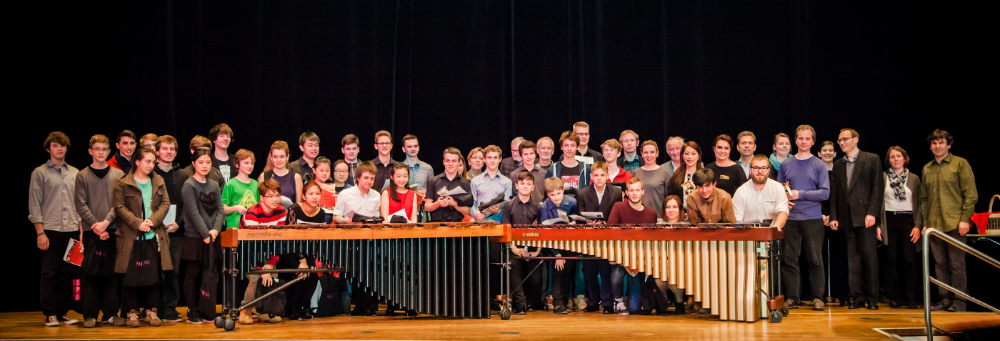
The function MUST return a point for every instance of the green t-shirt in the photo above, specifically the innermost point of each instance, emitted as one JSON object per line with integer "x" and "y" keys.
{"x": 147, "y": 203}
{"x": 238, "y": 193}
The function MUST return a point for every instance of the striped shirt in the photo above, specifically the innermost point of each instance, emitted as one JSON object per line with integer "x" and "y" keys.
{"x": 256, "y": 216}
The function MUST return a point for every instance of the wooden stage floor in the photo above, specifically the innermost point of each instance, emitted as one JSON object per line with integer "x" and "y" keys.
{"x": 835, "y": 323}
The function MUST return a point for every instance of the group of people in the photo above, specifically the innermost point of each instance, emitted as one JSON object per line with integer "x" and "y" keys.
{"x": 143, "y": 216}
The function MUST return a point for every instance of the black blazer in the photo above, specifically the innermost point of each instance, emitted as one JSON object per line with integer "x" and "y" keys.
{"x": 586, "y": 199}
{"x": 851, "y": 202}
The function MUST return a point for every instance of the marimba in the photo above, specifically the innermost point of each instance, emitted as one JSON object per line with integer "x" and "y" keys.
{"x": 724, "y": 266}
{"x": 433, "y": 268}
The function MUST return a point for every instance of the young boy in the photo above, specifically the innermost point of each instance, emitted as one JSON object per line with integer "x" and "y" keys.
{"x": 488, "y": 186}
{"x": 563, "y": 270}
{"x": 241, "y": 191}
{"x": 267, "y": 212}
{"x": 523, "y": 210}
{"x": 221, "y": 135}
{"x": 94, "y": 189}
{"x": 529, "y": 164}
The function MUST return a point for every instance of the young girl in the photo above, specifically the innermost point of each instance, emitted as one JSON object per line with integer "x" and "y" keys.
{"x": 328, "y": 192}
{"x": 140, "y": 203}
{"x": 277, "y": 169}
{"x": 681, "y": 181}
{"x": 308, "y": 210}
{"x": 672, "y": 212}
{"x": 205, "y": 216}
{"x": 399, "y": 197}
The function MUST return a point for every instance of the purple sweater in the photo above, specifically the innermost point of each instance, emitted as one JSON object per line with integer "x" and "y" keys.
{"x": 812, "y": 180}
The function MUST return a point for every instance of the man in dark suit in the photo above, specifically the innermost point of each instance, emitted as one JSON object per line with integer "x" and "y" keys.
{"x": 856, "y": 192}
{"x": 598, "y": 197}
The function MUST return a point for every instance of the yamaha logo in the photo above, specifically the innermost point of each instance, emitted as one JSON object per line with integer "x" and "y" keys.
{"x": 530, "y": 234}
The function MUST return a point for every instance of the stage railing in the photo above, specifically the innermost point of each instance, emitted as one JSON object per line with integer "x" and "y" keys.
{"x": 928, "y": 279}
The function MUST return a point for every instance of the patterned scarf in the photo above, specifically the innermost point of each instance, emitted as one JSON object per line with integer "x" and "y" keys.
{"x": 774, "y": 161}
{"x": 898, "y": 183}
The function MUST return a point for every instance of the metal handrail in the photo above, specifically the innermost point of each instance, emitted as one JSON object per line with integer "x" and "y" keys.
{"x": 928, "y": 279}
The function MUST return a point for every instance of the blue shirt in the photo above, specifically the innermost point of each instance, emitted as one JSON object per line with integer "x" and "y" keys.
{"x": 485, "y": 188}
{"x": 812, "y": 180}
{"x": 420, "y": 173}
{"x": 550, "y": 210}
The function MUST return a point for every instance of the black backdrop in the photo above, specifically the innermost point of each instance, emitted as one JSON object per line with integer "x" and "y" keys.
{"x": 472, "y": 73}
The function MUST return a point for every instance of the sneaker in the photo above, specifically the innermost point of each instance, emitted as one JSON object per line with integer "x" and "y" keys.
{"x": 170, "y": 316}
{"x": 133, "y": 319}
{"x": 818, "y": 305}
{"x": 67, "y": 320}
{"x": 560, "y": 312}
{"x": 580, "y": 304}
{"x": 51, "y": 321}
{"x": 193, "y": 318}
{"x": 245, "y": 318}
{"x": 152, "y": 318}
{"x": 267, "y": 318}
{"x": 621, "y": 309}
{"x": 90, "y": 323}
{"x": 115, "y": 321}
{"x": 591, "y": 309}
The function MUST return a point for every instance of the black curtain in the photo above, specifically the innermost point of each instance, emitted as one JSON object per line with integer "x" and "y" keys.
{"x": 473, "y": 73}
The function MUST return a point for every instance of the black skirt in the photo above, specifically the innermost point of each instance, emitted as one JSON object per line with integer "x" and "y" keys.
{"x": 143, "y": 265}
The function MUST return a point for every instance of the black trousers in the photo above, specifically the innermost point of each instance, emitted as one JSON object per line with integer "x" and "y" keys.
{"x": 528, "y": 294}
{"x": 837, "y": 245}
{"x": 299, "y": 296}
{"x": 949, "y": 267}
{"x": 171, "y": 292}
{"x": 99, "y": 293}
{"x": 862, "y": 262}
{"x": 901, "y": 255}
{"x": 562, "y": 282}
{"x": 193, "y": 291}
{"x": 56, "y": 285}
{"x": 802, "y": 236}
{"x": 145, "y": 297}
{"x": 598, "y": 291}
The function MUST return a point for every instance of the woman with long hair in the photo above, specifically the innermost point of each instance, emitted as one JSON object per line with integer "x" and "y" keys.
{"x": 475, "y": 163}
{"x": 399, "y": 196}
{"x": 140, "y": 203}
{"x": 205, "y": 216}
{"x": 681, "y": 181}
{"x": 728, "y": 175}
{"x": 277, "y": 169}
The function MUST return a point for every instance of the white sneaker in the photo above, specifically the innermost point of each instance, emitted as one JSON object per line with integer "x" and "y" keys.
{"x": 621, "y": 309}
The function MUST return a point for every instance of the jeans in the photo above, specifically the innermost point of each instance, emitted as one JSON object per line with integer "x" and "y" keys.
{"x": 804, "y": 236}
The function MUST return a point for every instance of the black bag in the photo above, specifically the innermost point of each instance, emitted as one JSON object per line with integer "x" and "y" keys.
{"x": 209, "y": 284}
{"x": 422, "y": 215}
{"x": 331, "y": 299}
{"x": 274, "y": 304}
{"x": 656, "y": 299}
{"x": 143, "y": 265}
{"x": 98, "y": 256}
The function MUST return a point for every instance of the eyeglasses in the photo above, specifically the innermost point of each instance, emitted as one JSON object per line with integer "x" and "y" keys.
{"x": 104, "y": 150}
{"x": 272, "y": 196}
{"x": 340, "y": 171}
{"x": 384, "y": 143}
{"x": 759, "y": 169}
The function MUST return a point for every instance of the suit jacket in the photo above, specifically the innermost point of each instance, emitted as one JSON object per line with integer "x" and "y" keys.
{"x": 851, "y": 202}
{"x": 586, "y": 199}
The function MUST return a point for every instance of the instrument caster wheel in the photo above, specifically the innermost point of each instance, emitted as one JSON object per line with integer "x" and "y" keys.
{"x": 230, "y": 324}
{"x": 220, "y": 322}
{"x": 784, "y": 312}
{"x": 775, "y": 316}
{"x": 505, "y": 313}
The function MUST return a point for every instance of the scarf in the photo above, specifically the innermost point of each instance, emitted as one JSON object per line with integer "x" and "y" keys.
{"x": 774, "y": 161}
{"x": 898, "y": 183}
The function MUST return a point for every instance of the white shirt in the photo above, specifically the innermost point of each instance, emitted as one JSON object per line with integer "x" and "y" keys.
{"x": 895, "y": 205}
{"x": 350, "y": 201}
{"x": 600, "y": 195}
{"x": 751, "y": 204}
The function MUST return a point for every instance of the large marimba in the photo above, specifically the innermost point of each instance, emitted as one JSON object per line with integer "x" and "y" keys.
{"x": 432, "y": 268}
{"x": 724, "y": 266}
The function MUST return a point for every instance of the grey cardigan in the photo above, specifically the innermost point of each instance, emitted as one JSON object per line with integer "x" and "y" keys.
{"x": 913, "y": 183}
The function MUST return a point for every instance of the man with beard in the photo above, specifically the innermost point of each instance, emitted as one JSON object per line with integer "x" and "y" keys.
{"x": 761, "y": 198}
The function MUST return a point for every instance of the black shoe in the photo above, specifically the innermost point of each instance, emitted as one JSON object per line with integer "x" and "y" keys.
{"x": 943, "y": 305}
{"x": 560, "y": 312}
{"x": 893, "y": 304}
{"x": 608, "y": 310}
{"x": 307, "y": 314}
{"x": 845, "y": 303}
{"x": 591, "y": 309}
{"x": 390, "y": 312}
{"x": 856, "y": 305}
{"x": 411, "y": 313}
{"x": 873, "y": 305}
{"x": 295, "y": 316}
{"x": 912, "y": 305}
{"x": 679, "y": 308}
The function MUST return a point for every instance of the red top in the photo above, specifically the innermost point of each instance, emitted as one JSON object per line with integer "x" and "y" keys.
{"x": 623, "y": 213}
{"x": 623, "y": 176}
{"x": 327, "y": 199}
{"x": 405, "y": 204}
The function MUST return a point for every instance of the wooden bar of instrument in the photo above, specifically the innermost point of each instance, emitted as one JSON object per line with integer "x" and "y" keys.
{"x": 433, "y": 268}
{"x": 716, "y": 263}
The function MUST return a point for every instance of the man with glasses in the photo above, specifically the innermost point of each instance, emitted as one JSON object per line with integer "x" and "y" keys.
{"x": 383, "y": 163}
{"x": 420, "y": 172}
{"x": 761, "y": 198}
{"x": 588, "y": 156}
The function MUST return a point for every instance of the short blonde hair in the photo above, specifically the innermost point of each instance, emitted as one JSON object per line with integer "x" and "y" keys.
{"x": 553, "y": 184}
{"x": 614, "y": 144}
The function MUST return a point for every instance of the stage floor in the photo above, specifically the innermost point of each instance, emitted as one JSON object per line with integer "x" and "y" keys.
{"x": 836, "y": 323}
